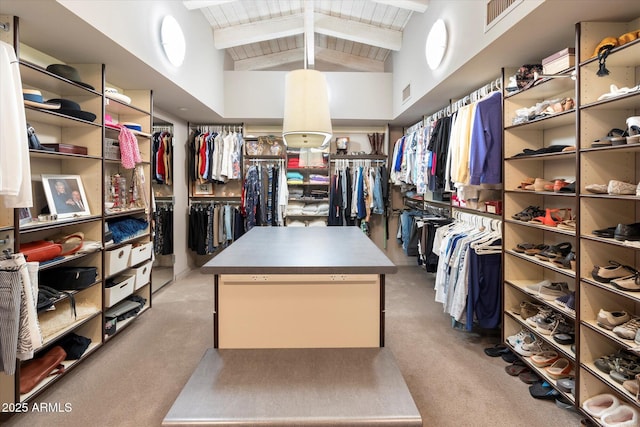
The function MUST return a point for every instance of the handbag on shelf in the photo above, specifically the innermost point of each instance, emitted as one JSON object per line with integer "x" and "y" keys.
{"x": 36, "y": 370}
{"x": 71, "y": 243}
{"x": 68, "y": 278}
{"x": 41, "y": 250}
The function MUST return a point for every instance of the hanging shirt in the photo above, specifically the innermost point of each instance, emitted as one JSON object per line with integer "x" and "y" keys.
{"x": 15, "y": 169}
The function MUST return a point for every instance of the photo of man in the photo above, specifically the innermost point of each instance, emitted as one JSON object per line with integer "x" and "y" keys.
{"x": 65, "y": 195}
{"x": 62, "y": 196}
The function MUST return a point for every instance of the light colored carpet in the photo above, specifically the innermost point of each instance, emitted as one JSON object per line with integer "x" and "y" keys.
{"x": 135, "y": 378}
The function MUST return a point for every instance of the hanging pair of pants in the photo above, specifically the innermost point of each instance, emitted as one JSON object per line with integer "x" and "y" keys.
{"x": 10, "y": 294}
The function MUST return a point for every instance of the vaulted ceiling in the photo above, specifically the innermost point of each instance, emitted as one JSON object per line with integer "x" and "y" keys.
{"x": 336, "y": 35}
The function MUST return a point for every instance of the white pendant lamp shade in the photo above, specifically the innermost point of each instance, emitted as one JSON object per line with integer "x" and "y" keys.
{"x": 307, "y": 122}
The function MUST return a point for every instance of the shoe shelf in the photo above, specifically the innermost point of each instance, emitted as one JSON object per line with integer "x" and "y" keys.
{"x": 512, "y": 327}
{"x": 121, "y": 325}
{"x": 599, "y": 165}
{"x": 542, "y": 157}
{"x": 544, "y": 264}
{"x": 564, "y": 350}
{"x": 521, "y": 285}
{"x": 542, "y": 227}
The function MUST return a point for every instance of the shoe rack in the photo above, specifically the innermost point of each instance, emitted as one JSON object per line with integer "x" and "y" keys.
{"x": 91, "y": 165}
{"x": 519, "y": 269}
{"x": 599, "y": 165}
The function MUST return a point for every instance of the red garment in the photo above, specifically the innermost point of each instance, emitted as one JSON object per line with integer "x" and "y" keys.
{"x": 203, "y": 154}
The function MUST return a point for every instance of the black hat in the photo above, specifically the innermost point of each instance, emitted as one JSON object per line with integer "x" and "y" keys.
{"x": 69, "y": 73}
{"x": 70, "y": 108}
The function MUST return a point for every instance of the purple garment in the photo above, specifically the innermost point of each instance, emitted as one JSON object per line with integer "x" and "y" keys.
{"x": 485, "y": 153}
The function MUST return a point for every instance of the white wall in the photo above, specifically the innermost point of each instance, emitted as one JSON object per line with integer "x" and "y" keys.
{"x": 259, "y": 95}
{"x": 135, "y": 25}
{"x": 180, "y": 194}
{"x": 464, "y": 20}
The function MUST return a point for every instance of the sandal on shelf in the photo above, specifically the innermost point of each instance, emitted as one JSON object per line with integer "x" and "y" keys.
{"x": 633, "y": 134}
{"x": 614, "y": 137}
{"x": 560, "y": 250}
{"x": 536, "y": 249}
{"x": 550, "y": 219}
{"x": 528, "y": 213}
{"x": 567, "y": 224}
{"x": 522, "y": 247}
{"x": 566, "y": 262}
{"x": 526, "y": 182}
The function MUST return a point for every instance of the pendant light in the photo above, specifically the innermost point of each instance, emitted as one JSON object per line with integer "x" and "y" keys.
{"x": 307, "y": 121}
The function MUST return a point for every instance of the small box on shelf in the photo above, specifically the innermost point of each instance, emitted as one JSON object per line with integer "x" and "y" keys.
{"x": 111, "y": 149}
{"x": 116, "y": 260}
{"x": 140, "y": 252}
{"x": 493, "y": 207}
{"x": 118, "y": 288}
{"x": 559, "y": 61}
{"x": 142, "y": 274}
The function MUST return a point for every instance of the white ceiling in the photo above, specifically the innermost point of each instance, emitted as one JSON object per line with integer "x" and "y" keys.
{"x": 52, "y": 28}
{"x": 346, "y": 35}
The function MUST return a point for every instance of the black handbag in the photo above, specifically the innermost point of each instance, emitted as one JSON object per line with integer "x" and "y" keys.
{"x": 69, "y": 278}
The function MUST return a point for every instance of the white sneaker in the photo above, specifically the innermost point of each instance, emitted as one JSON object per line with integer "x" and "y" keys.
{"x": 544, "y": 313}
{"x": 534, "y": 289}
{"x": 529, "y": 346}
{"x": 515, "y": 340}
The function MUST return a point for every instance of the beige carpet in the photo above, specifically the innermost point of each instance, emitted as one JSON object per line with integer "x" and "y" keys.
{"x": 135, "y": 378}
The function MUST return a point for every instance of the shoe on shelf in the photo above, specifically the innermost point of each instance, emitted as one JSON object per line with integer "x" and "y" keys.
{"x": 566, "y": 384}
{"x": 529, "y": 346}
{"x": 628, "y": 329}
{"x": 561, "y": 368}
{"x": 565, "y": 338}
{"x": 513, "y": 340}
{"x": 596, "y": 188}
{"x": 542, "y": 314}
{"x": 534, "y": 288}
{"x": 553, "y": 290}
{"x": 555, "y": 251}
{"x": 528, "y": 309}
{"x": 616, "y": 187}
{"x": 622, "y": 416}
{"x": 627, "y": 231}
{"x": 629, "y": 283}
{"x": 545, "y": 326}
{"x": 611, "y": 319}
{"x": 544, "y": 358}
{"x": 614, "y": 270}
{"x": 605, "y": 232}
{"x": 633, "y": 386}
{"x": 599, "y": 404}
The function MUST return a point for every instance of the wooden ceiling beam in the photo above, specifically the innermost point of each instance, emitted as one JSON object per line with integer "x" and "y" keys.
{"x": 358, "y": 32}
{"x": 291, "y": 25}
{"x": 263, "y": 62}
{"x": 413, "y": 5}
{"x": 199, "y": 4}
{"x": 353, "y": 62}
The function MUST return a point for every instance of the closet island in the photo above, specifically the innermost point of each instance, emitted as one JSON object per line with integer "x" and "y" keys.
{"x": 312, "y": 287}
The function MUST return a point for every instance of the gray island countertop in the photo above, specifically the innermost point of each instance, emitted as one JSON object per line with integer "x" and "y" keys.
{"x": 301, "y": 250}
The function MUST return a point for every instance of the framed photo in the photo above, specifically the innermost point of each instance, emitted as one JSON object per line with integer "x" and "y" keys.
{"x": 65, "y": 195}
{"x": 203, "y": 189}
{"x": 25, "y": 216}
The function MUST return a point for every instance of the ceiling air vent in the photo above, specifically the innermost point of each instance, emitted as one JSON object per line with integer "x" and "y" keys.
{"x": 498, "y": 9}
{"x": 406, "y": 92}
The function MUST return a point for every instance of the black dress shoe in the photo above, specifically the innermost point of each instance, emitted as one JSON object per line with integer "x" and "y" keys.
{"x": 604, "y": 232}
{"x": 627, "y": 231}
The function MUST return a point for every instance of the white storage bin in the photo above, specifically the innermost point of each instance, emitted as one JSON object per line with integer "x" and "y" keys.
{"x": 142, "y": 274}
{"x": 123, "y": 288}
{"x": 140, "y": 252}
{"x": 117, "y": 260}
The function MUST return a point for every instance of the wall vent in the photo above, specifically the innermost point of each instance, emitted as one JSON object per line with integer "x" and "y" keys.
{"x": 498, "y": 9}
{"x": 406, "y": 92}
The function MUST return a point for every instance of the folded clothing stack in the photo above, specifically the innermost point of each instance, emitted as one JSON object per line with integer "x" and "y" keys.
{"x": 318, "y": 178}
{"x": 295, "y": 208}
{"x": 294, "y": 178}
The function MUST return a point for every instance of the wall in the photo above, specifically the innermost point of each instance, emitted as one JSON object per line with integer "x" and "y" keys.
{"x": 467, "y": 37}
{"x": 135, "y": 25}
{"x": 181, "y": 203}
{"x": 259, "y": 95}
